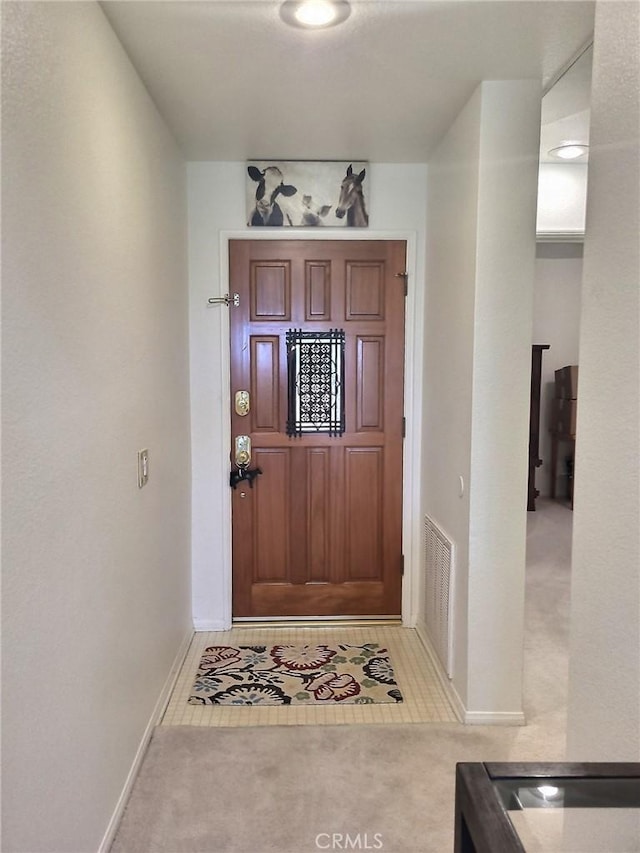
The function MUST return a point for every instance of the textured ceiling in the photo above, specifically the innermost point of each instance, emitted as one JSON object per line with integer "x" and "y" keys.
{"x": 234, "y": 82}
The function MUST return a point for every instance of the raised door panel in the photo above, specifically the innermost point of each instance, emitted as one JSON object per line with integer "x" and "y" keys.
{"x": 365, "y": 291}
{"x": 317, "y": 275}
{"x": 272, "y": 510}
{"x": 270, "y": 290}
{"x": 318, "y": 513}
{"x": 363, "y": 509}
{"x": 265, "y": 383}
{"x": 370, "y": 383}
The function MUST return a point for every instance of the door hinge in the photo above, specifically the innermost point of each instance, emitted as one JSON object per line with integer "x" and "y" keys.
{"x": 405, "y": 277}
{"x": 404, "y": 427}
{"x": 402, "y": 564}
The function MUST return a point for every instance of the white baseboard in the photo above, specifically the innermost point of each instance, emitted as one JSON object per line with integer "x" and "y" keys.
{"x": 469, "y": 718}
{"x": 210, "y": 625}
{"x": 458, "y": 704}
{"x": 443, "y": 678}
{"x": 485, "y": 718}
{"x": 158, "y": 711}
{"x": 494, "y": 718}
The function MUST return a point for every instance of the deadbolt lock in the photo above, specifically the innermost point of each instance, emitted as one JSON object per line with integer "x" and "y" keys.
{"x": 242, "y": 403}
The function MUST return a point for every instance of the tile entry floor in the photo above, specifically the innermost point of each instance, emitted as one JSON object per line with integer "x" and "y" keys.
{"x": 424, "y": 698}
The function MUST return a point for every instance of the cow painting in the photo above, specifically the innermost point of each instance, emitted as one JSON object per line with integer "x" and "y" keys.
{"x": 307, "y": 193}
{"x": 270, "y": 182}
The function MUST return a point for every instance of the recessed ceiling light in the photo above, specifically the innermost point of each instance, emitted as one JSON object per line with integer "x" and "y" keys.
{"x": 314, "y": 14}
{"x": 569, "y": 150}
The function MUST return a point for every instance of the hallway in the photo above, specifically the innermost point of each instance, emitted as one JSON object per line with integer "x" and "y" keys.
{"x": 197, "y": 781}
{"x": 114, "y": 239}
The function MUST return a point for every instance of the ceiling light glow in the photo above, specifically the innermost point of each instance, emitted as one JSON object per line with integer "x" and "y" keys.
{"x": 314, "y": 14}
{"x": 569, "y": 150}
{"x": 548, "y": 791}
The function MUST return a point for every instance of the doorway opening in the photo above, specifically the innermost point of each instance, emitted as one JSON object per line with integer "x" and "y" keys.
{"x": 317, "y": 421}
{"x": 411, "y": 531}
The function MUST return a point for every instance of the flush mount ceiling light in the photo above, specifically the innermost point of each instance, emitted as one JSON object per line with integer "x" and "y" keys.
{"x": 314, "y": 14}
{"x": 569, "y": 150}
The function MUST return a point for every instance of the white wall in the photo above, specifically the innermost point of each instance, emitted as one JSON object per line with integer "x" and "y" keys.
{"x": 452, "y": 225}
{"x": 95, "y": 366}
{"x": 562, "y": 199}
{"x": 509, "y": 140}
{"x": 556, "y": 321}
{"x": 480, "y": 266}
{"x": 217, "y": 204}
{"x": 604, "y": 670}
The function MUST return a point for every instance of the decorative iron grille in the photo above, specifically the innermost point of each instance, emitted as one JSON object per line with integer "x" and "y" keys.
{"x": 315, "y": 362}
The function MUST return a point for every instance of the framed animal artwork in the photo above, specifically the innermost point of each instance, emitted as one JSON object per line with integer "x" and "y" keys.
{"x": 307, "y": 194}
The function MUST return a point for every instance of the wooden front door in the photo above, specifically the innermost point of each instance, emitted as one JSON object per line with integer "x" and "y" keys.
{"x": 318, "y": 532}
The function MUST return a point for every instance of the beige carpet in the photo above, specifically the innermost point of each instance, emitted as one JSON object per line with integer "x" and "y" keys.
{"x": 284, "y": 788}
{"x": 279, "y": 788}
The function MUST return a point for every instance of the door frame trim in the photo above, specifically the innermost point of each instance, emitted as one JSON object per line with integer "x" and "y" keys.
{"x": 413, "y": 375}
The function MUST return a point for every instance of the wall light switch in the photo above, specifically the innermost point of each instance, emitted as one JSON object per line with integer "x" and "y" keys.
{"x": 143, "y": 468}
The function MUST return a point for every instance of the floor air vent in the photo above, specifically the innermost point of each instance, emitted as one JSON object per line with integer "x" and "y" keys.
{"x": 438, "y": 565}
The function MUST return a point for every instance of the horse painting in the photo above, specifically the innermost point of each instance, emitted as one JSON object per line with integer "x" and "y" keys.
{"x": 307, "y": 194}
{"x": 351, "y": 200}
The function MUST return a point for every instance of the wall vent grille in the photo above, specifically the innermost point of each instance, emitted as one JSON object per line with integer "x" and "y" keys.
{"x": 438, "y": 589}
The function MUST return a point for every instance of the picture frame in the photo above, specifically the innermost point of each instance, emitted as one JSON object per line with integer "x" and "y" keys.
{"x": 307, "y": 194}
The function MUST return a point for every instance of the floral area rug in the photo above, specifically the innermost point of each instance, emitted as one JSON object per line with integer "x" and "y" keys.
{"x": 292, "y": 675}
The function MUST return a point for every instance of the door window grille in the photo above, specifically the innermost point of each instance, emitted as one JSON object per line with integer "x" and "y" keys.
{"x": 315, "y": 363}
